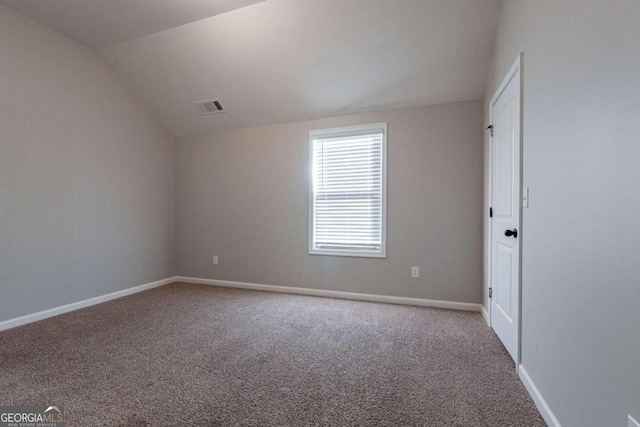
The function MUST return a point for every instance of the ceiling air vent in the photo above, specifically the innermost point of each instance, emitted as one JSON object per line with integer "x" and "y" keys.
{"x": 211, "y": 106}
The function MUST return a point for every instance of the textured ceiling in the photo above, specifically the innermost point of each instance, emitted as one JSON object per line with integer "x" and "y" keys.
{"x": 100, "y": 23}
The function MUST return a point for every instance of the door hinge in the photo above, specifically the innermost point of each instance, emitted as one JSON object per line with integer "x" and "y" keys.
{"x": 490, "y": 292}
{"x": 490, "y": 212}
{"x": 490, "y": 127}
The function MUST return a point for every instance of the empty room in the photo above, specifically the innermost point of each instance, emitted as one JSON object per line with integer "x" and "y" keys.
{"x": 320, "y": 213}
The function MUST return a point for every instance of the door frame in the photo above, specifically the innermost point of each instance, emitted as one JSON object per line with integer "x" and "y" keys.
{"x": 516, "y": 68}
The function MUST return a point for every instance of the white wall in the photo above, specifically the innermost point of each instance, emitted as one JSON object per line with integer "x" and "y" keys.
{"x": 581, "y": 234}
{"x": 86, "y": 176}
{"x": 243, "y": 195}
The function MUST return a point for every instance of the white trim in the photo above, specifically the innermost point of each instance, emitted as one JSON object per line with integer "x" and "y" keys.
{"x": 485, "y": 314}
{"x": 465, "y": 306}
{"x": 350, "y": 130}
{"x": 487, "y": 246}
{"x": 541, "y": 404}
{"x": 30, "y": 318}
{"x": 632, "y": 422}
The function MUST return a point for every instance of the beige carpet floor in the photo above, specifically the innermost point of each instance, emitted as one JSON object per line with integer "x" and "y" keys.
{"x": 191, "y": 355}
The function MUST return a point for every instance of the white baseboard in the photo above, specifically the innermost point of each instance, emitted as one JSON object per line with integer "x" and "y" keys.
{"x": 29, "y": 318}
{"x": 485, "y": 314}
{"x": 541, "y": 404}
{"x": 632, "y": 422}
{"x": 335, "y": 294}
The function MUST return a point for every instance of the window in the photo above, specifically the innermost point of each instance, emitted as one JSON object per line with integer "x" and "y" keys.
{"x": 347, "y": 206}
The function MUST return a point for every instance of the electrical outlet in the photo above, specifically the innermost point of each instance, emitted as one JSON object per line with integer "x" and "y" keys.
{"x": 215, "y": 259}
{"x": 415, "y": 272}
{"x": 633, "y": 423}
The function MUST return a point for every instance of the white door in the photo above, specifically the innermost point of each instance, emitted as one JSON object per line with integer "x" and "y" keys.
{"x": 505, "y": 204}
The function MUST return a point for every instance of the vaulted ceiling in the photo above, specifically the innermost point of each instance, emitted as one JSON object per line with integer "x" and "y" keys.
{"x": 280, "y": 61}
{"x": 101, "y": 23}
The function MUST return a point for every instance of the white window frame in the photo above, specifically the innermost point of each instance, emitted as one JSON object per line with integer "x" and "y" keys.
{"x": 349, "y": 130}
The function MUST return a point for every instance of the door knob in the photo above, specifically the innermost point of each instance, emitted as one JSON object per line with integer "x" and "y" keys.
{"x": 510, "y": 233}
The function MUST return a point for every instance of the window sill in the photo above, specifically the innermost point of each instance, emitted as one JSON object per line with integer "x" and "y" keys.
{"x": 348, "y": 254}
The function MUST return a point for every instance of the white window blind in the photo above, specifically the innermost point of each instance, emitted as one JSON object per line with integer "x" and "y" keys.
{"x": 348, "y": 195}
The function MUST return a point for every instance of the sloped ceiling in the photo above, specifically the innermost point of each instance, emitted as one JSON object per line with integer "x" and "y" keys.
{"x": 280, "y": 61}
{"x": 100, "y": 23}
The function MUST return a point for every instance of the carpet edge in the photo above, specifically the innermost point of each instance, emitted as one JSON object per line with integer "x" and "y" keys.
{"x": 452, "y": 305}
{"x": 55, "y": 311}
